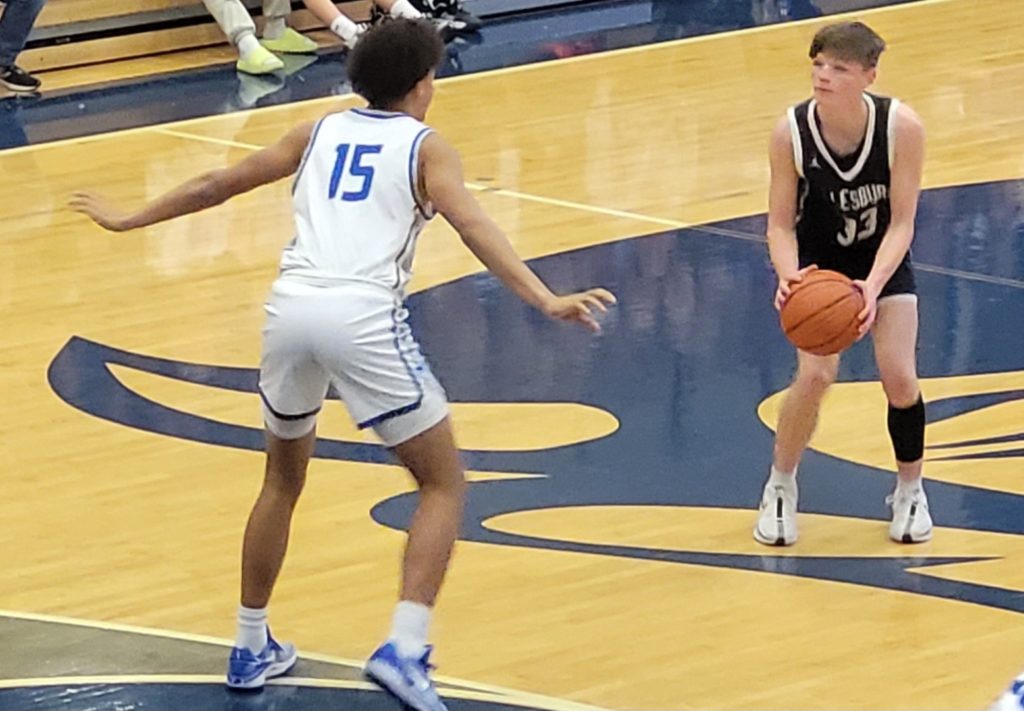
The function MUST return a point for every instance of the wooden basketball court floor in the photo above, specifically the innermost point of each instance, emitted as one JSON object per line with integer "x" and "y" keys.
{"x": 607, "y": 559}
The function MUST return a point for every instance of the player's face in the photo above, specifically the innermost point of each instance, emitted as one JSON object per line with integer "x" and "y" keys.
{"x": 839, "y": 79}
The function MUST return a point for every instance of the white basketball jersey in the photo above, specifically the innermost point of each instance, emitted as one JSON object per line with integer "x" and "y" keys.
{"x": 356, "y": 203}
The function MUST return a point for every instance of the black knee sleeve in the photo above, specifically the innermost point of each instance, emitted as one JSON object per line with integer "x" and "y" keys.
{"x": 906, "y": 429}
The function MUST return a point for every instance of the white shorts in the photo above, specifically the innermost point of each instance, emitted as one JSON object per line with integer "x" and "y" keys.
{"x": 355, "y": 338}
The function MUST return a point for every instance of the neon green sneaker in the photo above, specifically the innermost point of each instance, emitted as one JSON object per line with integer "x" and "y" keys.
{"x": 290, "y": 42}
{"x": 259, "y": 61}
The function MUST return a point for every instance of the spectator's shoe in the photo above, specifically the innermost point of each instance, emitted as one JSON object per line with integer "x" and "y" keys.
{"x": 377, "y": 15}
{"x": 462, "y": 21}
{"x": 405, "y": 678}
{"x": 18, "y": 80}
{"x": 259, "y": 61}
{"x": 248, "y": 671}
{"x": 444, "y": 27}
{"x": 290, "y": 42}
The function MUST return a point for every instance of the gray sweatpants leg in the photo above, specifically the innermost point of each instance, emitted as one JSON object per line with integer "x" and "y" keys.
{"x": 234, "y": 19}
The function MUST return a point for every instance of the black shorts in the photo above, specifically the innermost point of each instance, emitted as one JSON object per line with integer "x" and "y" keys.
{"x": 901, "y": 282}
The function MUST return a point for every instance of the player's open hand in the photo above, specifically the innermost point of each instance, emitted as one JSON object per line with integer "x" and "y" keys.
{"x": 581, "y": 307}
{"x": 786, "y": 285}
{"x": 870, "y": 310}
{"x": 99, "y": 210}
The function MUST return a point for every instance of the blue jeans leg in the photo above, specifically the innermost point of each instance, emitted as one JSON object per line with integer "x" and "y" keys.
{"x": 15, "y": 24}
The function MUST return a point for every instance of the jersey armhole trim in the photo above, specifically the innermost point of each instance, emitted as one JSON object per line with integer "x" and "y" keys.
{"x": 794, "y": 133}
{"x": 414, "y": 170}
{"x": 890, "y": 136}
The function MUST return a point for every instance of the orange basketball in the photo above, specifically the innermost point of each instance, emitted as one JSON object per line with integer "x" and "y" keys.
{"x": 820, "y": 315}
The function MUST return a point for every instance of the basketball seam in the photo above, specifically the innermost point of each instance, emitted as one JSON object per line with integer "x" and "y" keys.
{"x": 826, "y": 307}
{"x": 826, "y": 343}
{"x": 834, "y": 338}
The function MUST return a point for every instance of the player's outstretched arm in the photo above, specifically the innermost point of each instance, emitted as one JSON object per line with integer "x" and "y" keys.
{"x": 268, "y": 165}
{"x": 441, "y": 171}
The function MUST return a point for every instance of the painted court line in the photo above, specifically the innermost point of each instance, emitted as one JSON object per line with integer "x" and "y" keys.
{"x": 513, "y": 696}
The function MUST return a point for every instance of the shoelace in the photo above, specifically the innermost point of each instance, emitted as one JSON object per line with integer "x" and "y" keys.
{"x": 424, "y": 661}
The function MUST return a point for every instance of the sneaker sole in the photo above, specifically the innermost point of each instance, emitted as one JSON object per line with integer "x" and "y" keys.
{"x": 777, "y": 542}
{"x": 384, "y": 677}
{"x": 291, "y": 50}
{"x": 20, "y": 89}
{"x": 262, "y": 72}
{"x": 258, "y": 682}
{"x": 908, "y": 538}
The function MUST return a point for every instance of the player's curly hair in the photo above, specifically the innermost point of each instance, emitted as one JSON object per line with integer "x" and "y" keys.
{"x": 850, "y": 41}
{"x": 391, "y": 58}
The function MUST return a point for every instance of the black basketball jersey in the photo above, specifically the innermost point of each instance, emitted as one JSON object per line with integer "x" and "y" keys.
{"x": 843, "y": 208}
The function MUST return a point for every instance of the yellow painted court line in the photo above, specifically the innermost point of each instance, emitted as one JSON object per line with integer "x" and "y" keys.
{"x": 495, "y": 72}
{"x": 513, "y": 696}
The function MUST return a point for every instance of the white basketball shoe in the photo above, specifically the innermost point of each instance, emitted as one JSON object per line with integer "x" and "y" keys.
{"x": 911, "y": 521}
{"x": 776, "y": 522}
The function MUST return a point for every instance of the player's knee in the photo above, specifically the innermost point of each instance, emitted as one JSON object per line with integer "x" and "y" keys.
{"x": 906, "y": 429}
{"x": 819, "y": 376}
{"x": 448, "y": 479}
{"x": 902, "y": 389}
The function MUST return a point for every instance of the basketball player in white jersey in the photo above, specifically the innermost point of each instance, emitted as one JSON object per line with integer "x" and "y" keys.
{"x": 846, "y": 175}
{"x": 367, "y": 180}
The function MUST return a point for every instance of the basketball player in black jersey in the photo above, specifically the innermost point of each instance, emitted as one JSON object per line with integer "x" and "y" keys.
{"x": 845, "y": 180}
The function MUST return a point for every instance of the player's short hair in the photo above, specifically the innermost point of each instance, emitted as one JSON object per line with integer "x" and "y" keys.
{"x": 391, "y": 58}
{"x": 850, "y": 41}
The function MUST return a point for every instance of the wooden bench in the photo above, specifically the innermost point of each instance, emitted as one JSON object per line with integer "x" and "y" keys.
{"x": 72, "y": 33}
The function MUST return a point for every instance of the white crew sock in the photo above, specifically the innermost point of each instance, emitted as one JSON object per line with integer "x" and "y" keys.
{"x": 246, "y": 45}
{"x": 344, "y": 28}
{"x": 252, "y": 628}
{"x": 409, "y": 628}
{"x": 402, "y": 8}
{"x": 908, "y": 486}
{"x": 787, "y": 480}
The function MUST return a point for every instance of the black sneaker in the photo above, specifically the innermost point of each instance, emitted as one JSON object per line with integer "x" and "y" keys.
{"x": 17, "y": 79}
{"x": 377, "y": 15}
{"x": 464, "y": 22}
{"x": 444, "y": 27}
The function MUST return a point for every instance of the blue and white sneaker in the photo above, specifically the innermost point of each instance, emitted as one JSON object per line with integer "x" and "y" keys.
{"x": 251, "y": 671}
{"x": 1013, "y": 698}
{"x": 405, "y": 678}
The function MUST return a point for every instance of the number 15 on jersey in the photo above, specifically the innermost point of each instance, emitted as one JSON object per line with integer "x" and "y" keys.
{"x": 356, "y": 169}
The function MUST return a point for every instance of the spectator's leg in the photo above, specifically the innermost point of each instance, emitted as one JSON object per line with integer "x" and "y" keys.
{"x": 277, "y": 36}
{"x": 15, "y": 25}
{"x": 237, "y": 25}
